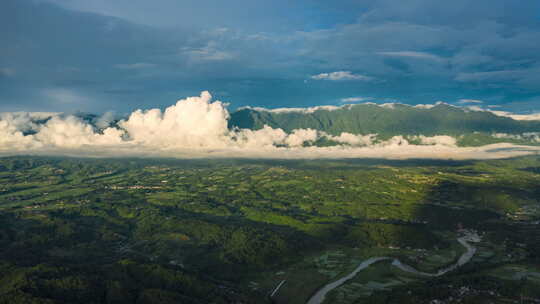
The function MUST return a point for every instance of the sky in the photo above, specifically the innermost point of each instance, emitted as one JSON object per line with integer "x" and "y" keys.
{"x": 103, "y": 55}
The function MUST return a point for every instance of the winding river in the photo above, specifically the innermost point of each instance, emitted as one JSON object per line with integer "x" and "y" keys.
{"x": 319, "y": 296}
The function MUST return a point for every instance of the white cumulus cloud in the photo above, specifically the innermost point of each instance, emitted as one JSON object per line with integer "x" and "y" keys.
{"x": 198, "y": 127}
{"x": 442, "y": 140}
{"x": 341, "y": 75}
{"x": 533, "y": 116}
{"x": 355, "y": 99}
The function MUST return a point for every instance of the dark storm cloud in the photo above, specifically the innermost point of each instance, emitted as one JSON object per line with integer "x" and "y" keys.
{"x": 117, "y": 54}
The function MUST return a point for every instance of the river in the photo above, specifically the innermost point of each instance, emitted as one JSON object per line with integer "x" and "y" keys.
{"x": 319, "y": 296}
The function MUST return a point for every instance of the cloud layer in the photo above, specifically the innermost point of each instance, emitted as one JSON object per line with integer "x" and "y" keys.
{"x": 533, "y": 116}
{"x": 197, "y": 127}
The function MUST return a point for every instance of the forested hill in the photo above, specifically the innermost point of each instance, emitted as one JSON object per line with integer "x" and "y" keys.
{"x": 396, "y": 119}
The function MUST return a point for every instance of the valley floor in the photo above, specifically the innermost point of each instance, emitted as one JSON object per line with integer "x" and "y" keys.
{"x": 269, "y": 231}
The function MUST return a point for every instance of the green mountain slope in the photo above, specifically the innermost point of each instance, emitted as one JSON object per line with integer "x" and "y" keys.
{"x": 441, "y": 119}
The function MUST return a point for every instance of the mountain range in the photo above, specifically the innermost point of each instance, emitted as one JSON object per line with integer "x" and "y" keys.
{"x": 471, "y": 127}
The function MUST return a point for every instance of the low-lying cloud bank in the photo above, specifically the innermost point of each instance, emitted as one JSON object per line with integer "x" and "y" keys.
{"x": 529, "y": 117}
{"x": 533, "y": 137}
{"x": 197, "y": 127}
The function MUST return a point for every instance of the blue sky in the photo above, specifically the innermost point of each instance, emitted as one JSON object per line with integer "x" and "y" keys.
{"x": 100, "y": 55}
